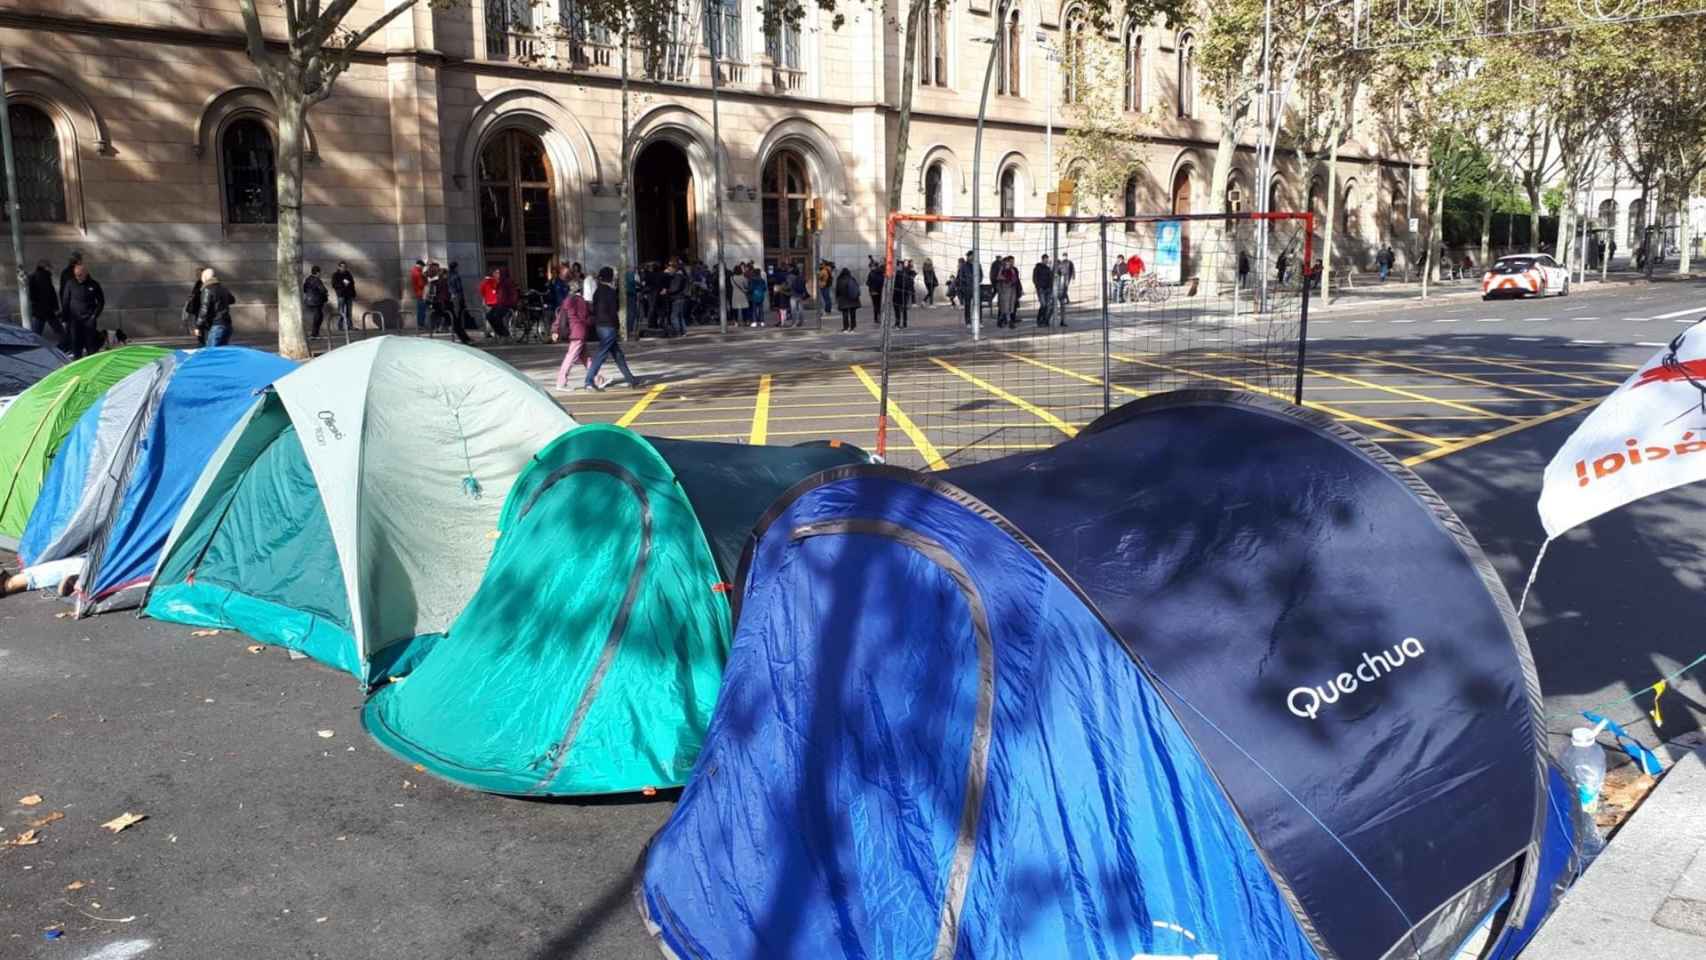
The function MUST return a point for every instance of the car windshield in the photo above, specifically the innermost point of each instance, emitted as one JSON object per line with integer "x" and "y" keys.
{"x": 1514, "y": 265}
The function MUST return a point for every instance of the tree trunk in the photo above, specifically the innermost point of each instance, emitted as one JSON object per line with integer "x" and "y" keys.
{"x": 1436, "y": 211}
{"x": 1646, "y": 218}
{"x": 1486, "y": 233}
{"x": 1332, "y": 208}
{"x": 1532, "y": 188}
{"x": 1232, "y": 116}
{"x": 292, "y": 338}
{"x": 1684, "y": 261}
{"x": 897, "y": 173}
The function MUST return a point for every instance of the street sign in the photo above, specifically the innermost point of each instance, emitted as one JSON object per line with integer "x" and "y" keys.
{"x": 1415, "y": 224}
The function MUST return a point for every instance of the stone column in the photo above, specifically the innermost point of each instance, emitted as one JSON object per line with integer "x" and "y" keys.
{"x": 417, "y": 158}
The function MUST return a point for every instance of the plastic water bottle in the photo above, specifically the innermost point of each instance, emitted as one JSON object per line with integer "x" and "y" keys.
{"x": 1585, "y": 761}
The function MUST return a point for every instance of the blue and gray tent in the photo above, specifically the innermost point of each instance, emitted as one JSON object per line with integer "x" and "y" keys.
{"x": 1214, "y": 678}
{"x": 125, "y": 469}
{"x": 24, "y": 359}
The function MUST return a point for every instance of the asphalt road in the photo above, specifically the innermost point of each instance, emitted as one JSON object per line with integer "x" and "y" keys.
{"x": 264, "y": 839}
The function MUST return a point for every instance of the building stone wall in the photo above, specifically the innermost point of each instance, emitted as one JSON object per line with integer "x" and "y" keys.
{"x": 139, "y": 93}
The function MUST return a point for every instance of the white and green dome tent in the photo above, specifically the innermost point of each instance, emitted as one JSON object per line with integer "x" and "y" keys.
{"x": 349, "y": 513}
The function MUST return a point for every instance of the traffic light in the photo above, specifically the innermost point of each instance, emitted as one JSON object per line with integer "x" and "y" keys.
{"x": 814, "y": 216}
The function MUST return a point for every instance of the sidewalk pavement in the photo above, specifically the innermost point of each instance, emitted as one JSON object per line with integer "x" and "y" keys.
{"x": 1646, "y": 894}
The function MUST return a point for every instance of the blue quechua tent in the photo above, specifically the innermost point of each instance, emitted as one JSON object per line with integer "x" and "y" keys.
{"x": 1215, "y": 678}
{"x": 127, "y": 466}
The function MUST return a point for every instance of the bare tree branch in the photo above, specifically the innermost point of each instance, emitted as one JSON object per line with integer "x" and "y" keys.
{"x": 363, "y": 35}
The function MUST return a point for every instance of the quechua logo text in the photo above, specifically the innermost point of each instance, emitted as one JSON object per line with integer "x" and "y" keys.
{"x": 1308, "y": 702}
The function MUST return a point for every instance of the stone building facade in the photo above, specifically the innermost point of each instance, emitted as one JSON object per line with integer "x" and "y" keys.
{"x": 490, "y": 133}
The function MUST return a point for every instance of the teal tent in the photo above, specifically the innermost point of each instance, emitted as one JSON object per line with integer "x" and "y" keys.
{"x": 590, "y": 658}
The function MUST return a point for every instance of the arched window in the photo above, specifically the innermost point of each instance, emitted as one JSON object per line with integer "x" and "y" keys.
{"x": 1072, "y": 58}
{"x": 1347, "y": 215}
{"x": 1012, "y": 54}
{"x": 786, "y": 191}
{"x": 1009, "y": 197}
{"x": 251, "y": 180}
{"x": 1234, "y": 199}
{"x": 1276, "y": 196}
{"x": 1315, "y": 198}
{"x": 783, "y": 45}
{"x": 933, "y": 195}
{"x": 933, "y": 47}
{"x": 1187, "y": 76}
{"x": 1129, "y": 205}
{"x": 1607, "y": 214}
{"x": 1133, "y": 74}
{"x": 41, "y": 180}
{"x": 1637, "y": 222}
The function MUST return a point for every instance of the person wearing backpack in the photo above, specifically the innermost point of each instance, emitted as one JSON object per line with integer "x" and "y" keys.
{"x": 757, "y": 291}
{"x": 314, "y": 301}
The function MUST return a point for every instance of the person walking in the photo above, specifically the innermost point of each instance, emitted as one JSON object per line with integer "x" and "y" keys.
{"x": 604, "y": 319}
{"x": 313, "y": 301}
{"x": 1042, "y": 278}
{"x": 676, "y": 292}
{"x": 847, "y": 299}
{"x": 874, "y": 283}
{"x": 458, "y": 297}
{"x": 758, "y": 290}
{"x": 929, "y": 282}
{"x": 1383, "y": 260}
{"x": 739, "y": 284}
{"x": 826, "y": 285}
{"x": 417, "y": 284}
{"x": 1244, "y": 269}
{"x": 574, "y": 326}
{"x": 44, "y": 303}
{"x": 498, "y": 293}
{"x": 781, "y": 291}
{"x": 1314, "y": 282}
{"x": 904, "y": 293}
{"x": 215, "y": 313}
{"x": 80, "y": 304}
{"x": 1006, "y": 294}
{"x": 1064, "y": 272}
{"x": 797, "y": 294}
{"x": 441, "y": 305}
{"x": 343, "y": 287}
{"x": 192, "y": 313}
{"x": 953, "y": 291}
{"x": 967, "y": 281}
{"x": 70, "y": 268}
{"x": 1280, "y": 266}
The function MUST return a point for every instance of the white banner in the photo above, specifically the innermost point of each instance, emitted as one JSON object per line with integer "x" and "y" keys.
{"x": 1647, "y": 437}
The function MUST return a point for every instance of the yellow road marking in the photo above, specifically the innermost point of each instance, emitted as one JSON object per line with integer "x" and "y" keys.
{"x": 904, "y": 422}
{"x": 1515, "y": 388}
{"x": 641, "y": 404}
{"x": 1016, "y": 401}
{"x": 1504, "y": 431}
{"x": 760, "y": 412}
{"x": 1311, "y": 404}
{"x": 1074, "y": 374}
{"x": 1514, "y": 365}
{"x": 1396, "y": 391}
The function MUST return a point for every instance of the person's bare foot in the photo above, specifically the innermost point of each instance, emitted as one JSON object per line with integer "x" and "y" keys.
{"x": 68, "y": 586}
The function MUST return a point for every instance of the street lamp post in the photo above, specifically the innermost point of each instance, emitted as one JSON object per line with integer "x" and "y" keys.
{"x": 1052, "y": 54}
{"x": 716, "y": 45}
{"x": 12, "y": 205}
{"x": 977, "y": 171}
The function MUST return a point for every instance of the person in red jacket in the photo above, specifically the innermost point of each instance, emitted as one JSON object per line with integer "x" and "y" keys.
{"x": 417, "y": 283}
{"x": 498, "y": 292}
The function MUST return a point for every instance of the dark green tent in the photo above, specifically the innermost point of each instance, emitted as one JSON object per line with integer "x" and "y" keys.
{"x": 590, "y": 658}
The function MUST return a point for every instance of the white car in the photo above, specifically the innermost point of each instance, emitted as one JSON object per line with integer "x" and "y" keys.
{"x": 1529, "y": 274}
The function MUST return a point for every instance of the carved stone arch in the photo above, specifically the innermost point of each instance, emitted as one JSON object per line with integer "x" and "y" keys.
{"x": 687, "y": 130}
{"x": 75, "y": 109}
{"x": 221, "y": 108}
{"x": 823, "y": 159}
{"x": 570, "y": 147}
{"x": 1016, "y": 160}
{"x": 950, "y": 161}
{"x": 1190, "y": 159}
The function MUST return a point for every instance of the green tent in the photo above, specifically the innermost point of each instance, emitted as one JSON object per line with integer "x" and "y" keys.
{"x": 589, "y": 660}
{"x": 36, "y": 423}
{"x": 347, "y": 514}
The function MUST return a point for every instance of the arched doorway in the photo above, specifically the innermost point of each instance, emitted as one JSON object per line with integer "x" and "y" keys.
{"x": 786, "y": 189}
{"x": 665, "y": 207}
{"x": 518, "y": 214}
{"x": 1182, "y": 207}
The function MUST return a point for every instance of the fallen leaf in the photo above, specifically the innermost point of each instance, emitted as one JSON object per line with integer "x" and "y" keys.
{"x": 26, "y": 839}
{"x": 75, "y": 885}
{"x": 30, "y": 800}
{"x": 62, "y": 616}
{"x": 44, "y": 821}
{"x": 419, "y": 768}
{"x": 257, "y": 648}
{"x": 321, "y": 919}
{"x": 124, "y": 820}
{"x": 204, "y": 633}
{"x": 56, "y": 716}
{"x": 326, "y": 734}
